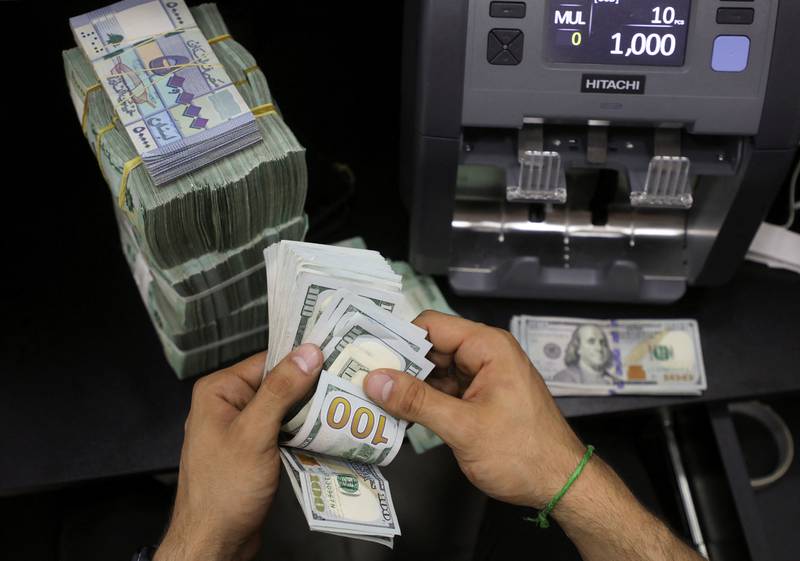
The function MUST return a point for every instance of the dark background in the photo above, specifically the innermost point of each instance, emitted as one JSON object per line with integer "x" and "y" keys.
{"x": 73, "y": 322}
{"x": 70, "y": 305}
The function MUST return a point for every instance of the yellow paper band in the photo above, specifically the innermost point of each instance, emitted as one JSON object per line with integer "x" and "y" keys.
{"x": 246, "y": 71}
{"x": 123, "y": 183}
{"x": 89, "y": 90}
{"x": 218, "y": 38}
{"x": 264, "y": 109}
{"x": 99, "y": 138}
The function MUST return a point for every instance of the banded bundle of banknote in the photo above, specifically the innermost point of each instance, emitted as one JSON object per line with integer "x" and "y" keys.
{"x": 173, "y": 97}
{"x": 614, "y": 357}
{"x": 218, "y": 206}
{"x": 194, "y": 244}
{"x": 343, "y": 300}
{"x": 209, "y": 310}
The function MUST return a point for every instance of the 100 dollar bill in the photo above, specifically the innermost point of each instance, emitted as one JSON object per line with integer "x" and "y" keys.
{"x": 600, "y": 357}
{"x": 356, "y": 344}
{"x": 342, "y": 497}
{"x": 341, "y": 421}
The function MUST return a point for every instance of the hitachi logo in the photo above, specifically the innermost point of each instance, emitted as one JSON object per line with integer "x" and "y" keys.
{"x": 613, "y": 84}
{"x": 597, "y": 83}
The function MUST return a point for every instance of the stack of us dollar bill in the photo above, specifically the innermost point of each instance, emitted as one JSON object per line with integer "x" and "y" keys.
{"x": 614, "y": 357}
{"x": 343, "y": 300}
{"x": 194, "y": 242}
{"x": 420, "y": 293}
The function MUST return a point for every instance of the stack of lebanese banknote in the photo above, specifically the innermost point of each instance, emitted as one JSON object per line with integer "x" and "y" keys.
{"x": 173, "y": 96}
{"x": 614, "y": 357}
{"x": 194, "y": 243}
{"x": 343, "y": 300}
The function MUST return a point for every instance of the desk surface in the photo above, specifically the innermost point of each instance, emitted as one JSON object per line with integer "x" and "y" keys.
{"x": 85, "y": 392}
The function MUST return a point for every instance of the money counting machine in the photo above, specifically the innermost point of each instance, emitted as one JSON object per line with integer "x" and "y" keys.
{"x": 595, "y": 149}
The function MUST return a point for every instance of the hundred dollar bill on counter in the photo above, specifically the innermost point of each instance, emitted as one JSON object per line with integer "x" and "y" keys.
{"x": 614, "y": 357}
{"x": 344, "y": 300}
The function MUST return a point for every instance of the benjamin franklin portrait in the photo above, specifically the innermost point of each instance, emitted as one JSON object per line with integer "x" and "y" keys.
{"x": 587, "y": 358}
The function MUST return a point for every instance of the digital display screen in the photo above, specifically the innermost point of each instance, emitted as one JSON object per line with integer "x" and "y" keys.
{"x": 636, "y": 32}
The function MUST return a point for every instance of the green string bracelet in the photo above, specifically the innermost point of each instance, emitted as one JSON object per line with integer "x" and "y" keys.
{"x": 541, "y": 519}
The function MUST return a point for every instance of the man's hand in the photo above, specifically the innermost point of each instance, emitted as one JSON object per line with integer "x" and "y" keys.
{"x": 512, "y": 442}
{"x": 230, "y": 462}
{"x": 506, "y": 432}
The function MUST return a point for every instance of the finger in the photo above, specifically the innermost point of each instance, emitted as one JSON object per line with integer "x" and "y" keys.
{"x": 291, "y": 379}
{"x": 409, "y": 398}
{"x": 250, "y": 370}
{"x": 235, "y": 385}
{"x": 471, "y": 344}
{"x": 449, "y": 386}
{"x": 445, "y": 380}
{"x": 441, "y": 360}
{"x": 445, "y": 332}
{"x": 218, "y": 397}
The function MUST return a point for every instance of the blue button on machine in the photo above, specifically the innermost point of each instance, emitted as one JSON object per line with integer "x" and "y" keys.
{"x": 731, "y": 53}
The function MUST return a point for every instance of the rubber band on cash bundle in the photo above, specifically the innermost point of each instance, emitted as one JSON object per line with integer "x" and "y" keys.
{"x": 129, "y": 166}
{"x": 218, "y": 38}
{"x": 263, "y": 109}
{"x": 85, "y": 114}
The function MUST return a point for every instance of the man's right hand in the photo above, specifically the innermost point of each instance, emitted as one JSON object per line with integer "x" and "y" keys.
{"x": 512, "y": 442}
{"x": 506, "y": 431}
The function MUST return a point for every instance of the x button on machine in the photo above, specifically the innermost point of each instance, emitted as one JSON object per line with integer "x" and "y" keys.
{"x": 505, "y": 47}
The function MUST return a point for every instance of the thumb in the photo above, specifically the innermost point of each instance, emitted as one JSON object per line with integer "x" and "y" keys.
{"x": 407, "y": 397}
{"x": 291, "y": 379}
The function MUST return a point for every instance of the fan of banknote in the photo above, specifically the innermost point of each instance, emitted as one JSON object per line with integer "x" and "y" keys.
{"x": 614, "y": 357}
{"x": 420, "y": 293}
{"x": 193, "y": 233}
{"x": 343, "y": 300}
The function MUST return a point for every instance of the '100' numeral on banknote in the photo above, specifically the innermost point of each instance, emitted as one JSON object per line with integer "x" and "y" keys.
{"x": 340, "y": 415}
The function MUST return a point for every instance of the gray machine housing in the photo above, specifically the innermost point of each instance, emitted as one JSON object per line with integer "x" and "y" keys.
{"x": 467, "y": 123}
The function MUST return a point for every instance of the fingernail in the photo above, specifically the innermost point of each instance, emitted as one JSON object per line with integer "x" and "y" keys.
{"x": 379, "y": 386}
{"x": 307, "y": 357}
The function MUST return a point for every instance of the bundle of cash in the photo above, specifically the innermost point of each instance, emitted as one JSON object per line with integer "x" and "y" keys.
{"x": 178, "y": 106}
{"x": 342, "y": 299}
{"x": 420, "y": 292}
{"x": 194, "y": 243}
{"x": 210, "y": 209}
{"x": 203, "y": 290}
{"x": 341, "y": 497}
{"x": 223, "y": 321}
{"x": 614, "y": 357}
